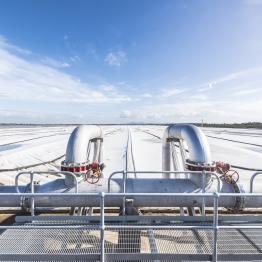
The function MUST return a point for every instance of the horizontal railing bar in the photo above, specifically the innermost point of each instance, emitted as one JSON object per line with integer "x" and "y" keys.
{"x": 156, "y": 256}
{"x": 207, "y": 218}
{"x": 187, "y": 194}
{"x": 106, "y": 194}
{"x": 124, "y": 173}
{"x": 138, "y": 218}
{"x": 129, "y": 257}
{"x": 21, "y": 219}
{"x": 160, "y": 172}
{"x": 163, "y": 194}
{"x": 49, "y": 194}
{"x": 50, "y": 257}
{"x": 65, "y": 173}
{"x": 133, "y": 194}
{"x": 156, "y": 227}
{"x": 240, "y": 227}
{"x": 168, "y": 172}
{"x": 239, "y": 257}
{"x": 96, "y": 227}
{"x": 239, "y": 194}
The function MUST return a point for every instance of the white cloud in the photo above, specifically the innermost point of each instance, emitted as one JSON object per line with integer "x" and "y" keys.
{"x": 210, "y": 111}
{"x": 24, "y": 80}
{"x": 127, "y": 114}
{"x": 198, "y": 97}
{"x": 246, "y": 74}
{"x": 146, "y": 95}
{"x": 116, "y": 58}
{"x": 171, "y": 92}
{"x": 54, "y": 63}
{"x": 247, "y": 91}
{"x": 108, "y": 88}
{"x": 112, "y": 92}
{"x": 74, "y": 58}
{"x": 6, "y": 45}
{"x": 31, "y": 116}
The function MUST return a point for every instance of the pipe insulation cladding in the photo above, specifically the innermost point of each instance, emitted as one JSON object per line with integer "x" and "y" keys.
{"x": 76, "y": 151}
{"x": 198, "y": 146}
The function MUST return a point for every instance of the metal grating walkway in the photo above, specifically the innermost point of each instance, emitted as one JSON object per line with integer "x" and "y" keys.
{"x": 143, "y": 244}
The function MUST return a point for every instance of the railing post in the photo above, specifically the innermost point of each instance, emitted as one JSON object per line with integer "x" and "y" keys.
{"x": 102, "y": 227}
{"x": 215, "y": 226}
{"x": 124, "y": 191}
{"x": 252, "y": 181}
{"x": 203, "y": 208}
{"x": 32, "y": 191}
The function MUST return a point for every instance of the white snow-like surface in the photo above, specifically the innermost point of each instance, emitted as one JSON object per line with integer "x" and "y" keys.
{"x": 22, "y": 146}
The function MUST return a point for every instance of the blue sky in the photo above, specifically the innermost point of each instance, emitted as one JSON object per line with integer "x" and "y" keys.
{"x": 130, "y": 61}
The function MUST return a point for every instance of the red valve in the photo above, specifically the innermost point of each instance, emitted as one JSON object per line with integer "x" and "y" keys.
{"x": 94, "y": 172}
{"x": 222, "y": 167}
{"x": 230, "y": 176}
{"x": 94, "y": 166}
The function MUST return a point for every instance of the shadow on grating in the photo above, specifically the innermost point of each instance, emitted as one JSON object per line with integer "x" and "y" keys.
{"x": 128, "y": 241}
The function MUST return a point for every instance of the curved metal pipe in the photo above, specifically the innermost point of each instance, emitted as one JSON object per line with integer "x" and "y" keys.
{"x": 198, "y": 147}
{"x": 76, "y": 151}
{"x": 199, "y": 152}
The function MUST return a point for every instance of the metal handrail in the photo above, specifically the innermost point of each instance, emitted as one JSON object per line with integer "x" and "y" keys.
{"x": 130, "y": 194}
{"x": 66, "y": 173}
{"x": 102, "y": 227}
{"x": 59, "y": 194}
{"x": 32, "y": 188}
{"x": 252, "y": 180}
{"x": 203, "y": 173}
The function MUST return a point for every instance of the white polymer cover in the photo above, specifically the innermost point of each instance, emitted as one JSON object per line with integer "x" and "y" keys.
{"x": 76, "y": 151}
{"x": 198, "y": 146}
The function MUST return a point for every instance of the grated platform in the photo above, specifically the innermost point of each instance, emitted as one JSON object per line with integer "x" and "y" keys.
{"x": 132, "y": 244}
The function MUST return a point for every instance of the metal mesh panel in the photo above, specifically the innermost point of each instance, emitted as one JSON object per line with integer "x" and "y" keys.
{"x": 162, "y": 241}
{"x": 240, "y": 241}
{"x": 35, "y": 241}
{"x": 121, "y": 241}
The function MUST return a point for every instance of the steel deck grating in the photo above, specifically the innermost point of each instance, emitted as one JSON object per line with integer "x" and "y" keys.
{"x": 127, "y": 241}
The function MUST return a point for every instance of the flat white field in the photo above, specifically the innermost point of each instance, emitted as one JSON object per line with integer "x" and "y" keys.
{"x": 34, "y": 145}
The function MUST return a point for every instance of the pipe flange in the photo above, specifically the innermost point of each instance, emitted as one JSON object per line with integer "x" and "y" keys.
{"x": 194, "y": 166}
{"x": 240, "y": 200}
{"x": 24, "y": 201}
{"x": 77, "y": 168}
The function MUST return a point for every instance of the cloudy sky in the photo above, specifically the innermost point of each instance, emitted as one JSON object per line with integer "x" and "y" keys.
{"x": 130, "y": 61}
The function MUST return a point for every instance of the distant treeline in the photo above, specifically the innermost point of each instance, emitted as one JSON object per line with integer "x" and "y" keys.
{"x": 257, "y": 125}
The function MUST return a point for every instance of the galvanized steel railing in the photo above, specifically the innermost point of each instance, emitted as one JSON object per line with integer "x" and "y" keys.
{"x": 102, "y": 226}
{"x": 203, "y": 173}
{"x": 252, "y": 181}
{"x": 32, "y": 182}
{"x": 203, "y": 185}
{"x": 32, "y": 173}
